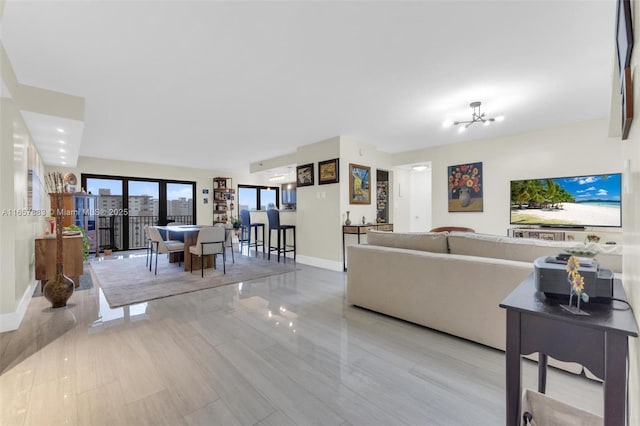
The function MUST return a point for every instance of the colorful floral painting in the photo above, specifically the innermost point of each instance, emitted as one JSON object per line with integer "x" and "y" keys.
{"x": 465, "y": 188}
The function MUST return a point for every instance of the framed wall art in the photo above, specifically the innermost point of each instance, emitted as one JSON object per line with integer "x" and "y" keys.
{"x": 329, "y": 171}
{"x": 359, "y": 184}
{"x": 304, "y": 175}
{"x": 624, "y": 37}
{"x": 465, "y": 188}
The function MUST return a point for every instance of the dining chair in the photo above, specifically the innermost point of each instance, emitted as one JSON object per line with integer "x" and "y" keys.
{"x": 211, "y": 241}
{"x": 159, "y": 245}
{"x": 228, "y": 238}
{"x": 148, "y": 244}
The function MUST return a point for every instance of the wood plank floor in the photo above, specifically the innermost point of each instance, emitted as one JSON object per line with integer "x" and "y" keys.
{"x": 283, "y": 350}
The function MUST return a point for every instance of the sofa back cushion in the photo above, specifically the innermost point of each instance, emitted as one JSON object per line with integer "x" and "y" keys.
{"x": 525, "y": 249}
{"x": 434, "y": 242}
{"x": 500, "y": 247}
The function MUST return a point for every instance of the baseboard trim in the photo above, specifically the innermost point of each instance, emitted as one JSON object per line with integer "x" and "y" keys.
{"x": 332, "y": 265}
{"x": 12, "y": 320}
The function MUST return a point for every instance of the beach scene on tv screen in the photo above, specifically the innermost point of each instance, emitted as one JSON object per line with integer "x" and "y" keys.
{"x": 571, "y": 201}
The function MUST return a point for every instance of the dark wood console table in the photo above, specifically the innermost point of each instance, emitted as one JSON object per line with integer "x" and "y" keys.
{"x": 598, "y": 342}
{"x": 360, "y": 230}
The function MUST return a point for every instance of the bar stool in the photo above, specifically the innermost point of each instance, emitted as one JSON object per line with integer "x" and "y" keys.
{"x": 245, "y": 233}
{"x": 274, "y": 225}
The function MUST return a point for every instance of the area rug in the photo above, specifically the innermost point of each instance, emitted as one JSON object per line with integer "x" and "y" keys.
{"x": 128, "y": 281}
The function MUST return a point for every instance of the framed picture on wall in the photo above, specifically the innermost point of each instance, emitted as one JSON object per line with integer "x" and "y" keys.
{"x": 624, "y": 38}
{"x": 304, "y": 175}
{"x": 329, "y": 171}
{"x": 465, "y": 187}
{"x": 359, "y": 184}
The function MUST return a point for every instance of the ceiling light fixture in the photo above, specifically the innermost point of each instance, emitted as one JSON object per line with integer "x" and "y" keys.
{"x": 477, "y": 116}
{"x": 61, "y": 141}
{"x": 60, "y": 130}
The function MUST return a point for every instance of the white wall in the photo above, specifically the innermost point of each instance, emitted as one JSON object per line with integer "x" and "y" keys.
{"x": 17, "y": 232}
{"x": 582, "y": 148}
{"x": 360, "y": 153}
{"x": 318, "y": 209}
{"x": 321, "y": 209}
{"x": 631, "y": 222}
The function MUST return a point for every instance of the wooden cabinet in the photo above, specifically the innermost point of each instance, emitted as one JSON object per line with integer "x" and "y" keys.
{"x": 45, "y": 251}
{"x": 223, "y": 199}
{"x": 67, "y": 207}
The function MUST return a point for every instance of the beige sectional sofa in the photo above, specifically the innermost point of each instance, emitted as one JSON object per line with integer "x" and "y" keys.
{"x": 452, "y": 282}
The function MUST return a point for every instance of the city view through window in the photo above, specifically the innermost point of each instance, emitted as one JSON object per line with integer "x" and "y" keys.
{"x": 148, "y": 203}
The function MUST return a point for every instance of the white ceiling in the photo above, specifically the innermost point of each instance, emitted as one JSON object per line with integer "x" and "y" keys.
{"x": 218, "y": 85}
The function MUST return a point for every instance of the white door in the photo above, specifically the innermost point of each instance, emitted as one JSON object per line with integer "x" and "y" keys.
{"x": 420, "y": 205}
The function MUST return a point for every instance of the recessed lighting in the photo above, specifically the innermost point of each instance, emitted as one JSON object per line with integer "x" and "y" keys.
{"x": 63, "y": 162}
{"x": 462, "y": 129}
{"x": 62, "y": 150}
{"x": 61, "y": 141}
{"x": 60, "y": 130}
{"x": 500, "y": 118}
{"x": 447, "y": 123}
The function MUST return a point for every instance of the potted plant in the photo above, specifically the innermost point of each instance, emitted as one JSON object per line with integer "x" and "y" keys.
{"x": 235, "y": 222}
{"x": 85, "y": 239}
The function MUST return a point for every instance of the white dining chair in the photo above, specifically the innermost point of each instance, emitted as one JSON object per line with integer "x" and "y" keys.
{"x": 211, "y": 241}
{"x": 159, "y": 245}
{"x": 147, "y": 240}
{"x": 228, "y": 238}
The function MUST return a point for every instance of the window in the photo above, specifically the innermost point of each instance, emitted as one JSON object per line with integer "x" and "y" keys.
{"x": 137, "y": 202}
{"x": 252, "y": 197}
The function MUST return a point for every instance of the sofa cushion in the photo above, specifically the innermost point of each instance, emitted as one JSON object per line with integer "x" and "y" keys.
{"x": 524, "y": 249}
{"x": 434, "y": 242}
{"x": 502, "y": 247}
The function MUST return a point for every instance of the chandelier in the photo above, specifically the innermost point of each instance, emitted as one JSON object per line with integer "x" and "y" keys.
{"x": 477, "y": 116}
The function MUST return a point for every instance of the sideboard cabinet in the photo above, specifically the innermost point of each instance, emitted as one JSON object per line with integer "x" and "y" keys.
{"x": 45, "y": 252}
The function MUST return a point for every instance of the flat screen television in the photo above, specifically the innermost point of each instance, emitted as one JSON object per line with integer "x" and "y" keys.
{"x": 574, "y": 201}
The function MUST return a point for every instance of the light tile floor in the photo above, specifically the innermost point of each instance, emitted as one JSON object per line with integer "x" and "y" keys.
{"x": 283, "y": 350}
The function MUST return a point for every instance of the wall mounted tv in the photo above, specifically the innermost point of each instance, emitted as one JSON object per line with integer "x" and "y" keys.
{"x": 575, "y": 201}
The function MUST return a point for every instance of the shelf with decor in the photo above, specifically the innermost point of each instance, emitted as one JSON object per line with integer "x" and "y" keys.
{"x": 223, "y": 199}
{"x": 607, "y": 237}
{"x": 382, "y": 196}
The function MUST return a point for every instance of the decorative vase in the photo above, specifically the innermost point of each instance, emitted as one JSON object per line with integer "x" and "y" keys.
{"x": 465, "y": 197}
{"x": 363, "y": 220}
{"x": 348, "y": 221}
{"x": 59, "y": 289}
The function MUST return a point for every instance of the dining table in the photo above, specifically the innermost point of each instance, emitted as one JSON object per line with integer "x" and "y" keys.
{"x": 190, "y": 237}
